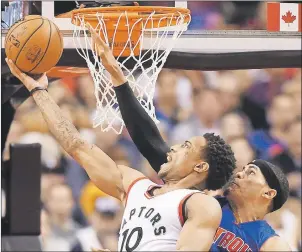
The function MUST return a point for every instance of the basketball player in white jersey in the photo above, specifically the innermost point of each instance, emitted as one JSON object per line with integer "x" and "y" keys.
{"x": 156, "y": 218}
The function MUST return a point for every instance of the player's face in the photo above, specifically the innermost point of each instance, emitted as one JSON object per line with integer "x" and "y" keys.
{"x": 182, "y": 159}
{"x": 247, "y": 184}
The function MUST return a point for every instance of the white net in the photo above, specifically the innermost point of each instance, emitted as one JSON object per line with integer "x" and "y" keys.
{"x": 154, "y": 43}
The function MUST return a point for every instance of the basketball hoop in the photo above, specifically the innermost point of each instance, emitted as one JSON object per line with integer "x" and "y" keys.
{"x": 134, "y": 33}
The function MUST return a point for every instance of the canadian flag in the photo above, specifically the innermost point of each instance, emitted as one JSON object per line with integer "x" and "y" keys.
{"x": 284, "y": 17}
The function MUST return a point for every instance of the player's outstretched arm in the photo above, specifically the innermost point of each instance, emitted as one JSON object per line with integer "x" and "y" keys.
{"x": 101, "y": 169}
{"x": 203, "y": 218}
{"x": 141, "y": 127}
{"x": 275, "y": 243}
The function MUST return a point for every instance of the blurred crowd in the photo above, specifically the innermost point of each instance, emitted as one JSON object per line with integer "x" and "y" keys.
{"x": 258, "y": 112}
{"x": 222, "y": 15}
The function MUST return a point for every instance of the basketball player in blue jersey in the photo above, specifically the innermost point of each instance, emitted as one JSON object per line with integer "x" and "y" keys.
{"x": 258, "y": 189}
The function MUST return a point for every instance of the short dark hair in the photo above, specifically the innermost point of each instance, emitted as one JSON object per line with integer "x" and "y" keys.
{"x": 221, "y": 160}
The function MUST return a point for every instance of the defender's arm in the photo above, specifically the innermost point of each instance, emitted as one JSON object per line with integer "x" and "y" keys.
{"x": 275, "y": 243}
{"x": 141, "y": 127}
{"x": 204, "y": 216}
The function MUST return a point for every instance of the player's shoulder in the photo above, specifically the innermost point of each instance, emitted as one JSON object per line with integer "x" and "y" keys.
{"x": 130, "y": 177}
{"x": 264, "y": 229}
{"x": 129, "y": 172}
{"x": 199, "y": 198}
{"x": 261, "y": 232}
{"x": 275, "y": 243}
{"x": 202, "y": 206}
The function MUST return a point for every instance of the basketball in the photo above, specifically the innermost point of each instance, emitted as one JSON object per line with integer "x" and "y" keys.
{"x": 34, "y": 44}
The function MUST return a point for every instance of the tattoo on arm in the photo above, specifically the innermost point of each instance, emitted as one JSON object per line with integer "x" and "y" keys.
{"x": 62, "y": 129}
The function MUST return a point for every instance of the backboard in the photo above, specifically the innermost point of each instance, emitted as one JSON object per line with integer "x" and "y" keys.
{"x": 202, "y": 37}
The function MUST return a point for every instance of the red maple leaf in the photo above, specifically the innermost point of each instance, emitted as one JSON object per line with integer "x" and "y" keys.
{"x": 289, "y": 18}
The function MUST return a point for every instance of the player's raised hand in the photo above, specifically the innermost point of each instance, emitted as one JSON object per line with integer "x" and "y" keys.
{"x": 102, "y": 49}
{"x": 108, "y": 60}
{"x": 28, "y": 82}
{"x": 98, "y": 45}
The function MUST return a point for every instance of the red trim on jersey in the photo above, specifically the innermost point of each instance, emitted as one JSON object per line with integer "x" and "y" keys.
{"x": 131, "y": 185}
{"x": 180, "y": 208}
{"x": 147, "y": 194}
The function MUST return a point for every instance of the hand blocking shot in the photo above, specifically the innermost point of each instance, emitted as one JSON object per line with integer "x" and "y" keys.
{"x": 175, "y": 216}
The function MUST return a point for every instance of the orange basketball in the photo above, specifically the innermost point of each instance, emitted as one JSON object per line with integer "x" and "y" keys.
{"x": 34, "y": 44}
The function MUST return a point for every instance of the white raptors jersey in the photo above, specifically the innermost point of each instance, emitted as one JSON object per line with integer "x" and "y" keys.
{"x": 152, "y": 223}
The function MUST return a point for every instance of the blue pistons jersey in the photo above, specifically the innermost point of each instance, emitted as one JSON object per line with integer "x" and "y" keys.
{"x": 248, "y": 236}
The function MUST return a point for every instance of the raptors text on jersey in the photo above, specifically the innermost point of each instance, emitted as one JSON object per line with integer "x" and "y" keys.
{"x": 152, "y": 223}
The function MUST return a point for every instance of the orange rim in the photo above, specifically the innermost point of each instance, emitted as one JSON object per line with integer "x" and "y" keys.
{"x": 134, "y": 13}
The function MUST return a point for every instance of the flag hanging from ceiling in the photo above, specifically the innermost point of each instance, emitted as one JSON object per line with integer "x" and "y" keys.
{"x": 284, "y": 17}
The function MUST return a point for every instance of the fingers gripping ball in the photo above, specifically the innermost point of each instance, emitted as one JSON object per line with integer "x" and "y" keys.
{"x": 34, "y": 44}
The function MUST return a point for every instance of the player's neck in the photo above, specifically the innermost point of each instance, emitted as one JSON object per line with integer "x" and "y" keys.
{"x": 189, "y": 182}
{"x": 246, "y": 212}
